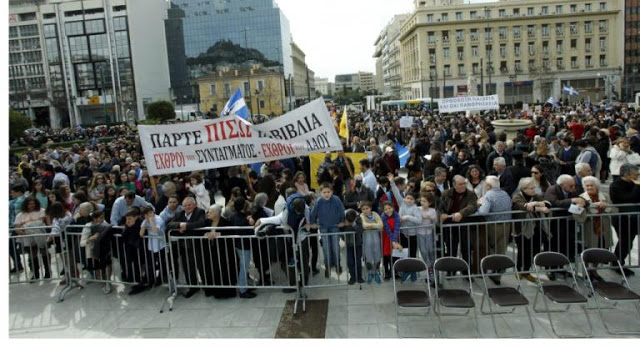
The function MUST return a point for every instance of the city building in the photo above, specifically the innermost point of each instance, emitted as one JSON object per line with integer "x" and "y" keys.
{"x": 266, "y": 86}
{"x": 523, "y": 50}
{"x": 72, "y": 62}
{"x": 387, "y": 51}
{"x": 379, "y": 79}
{"x": 347, "y": 82}
{"x": 367, "y": 82}
{"x": 322, "y": 86}
{"x": 181, "y": 89}
{"x": 631, "y": 49}
{"x": 303, "y": 78}
{"x": 255, "y": 24}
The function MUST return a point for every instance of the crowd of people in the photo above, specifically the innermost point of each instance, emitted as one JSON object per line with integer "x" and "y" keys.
{"x": 459, "y": 169}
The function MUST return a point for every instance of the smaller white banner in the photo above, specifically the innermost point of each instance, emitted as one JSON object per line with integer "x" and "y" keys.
{"x": 489, "y": 102}
{"x": 406, "y": 121}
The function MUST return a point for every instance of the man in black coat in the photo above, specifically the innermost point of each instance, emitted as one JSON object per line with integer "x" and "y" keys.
{"x": 357, "y": 194}
{"x": 567, "y": 155}
{"x": 500, "y": 151}
{"x": 626, "y": 190}
{"x": 186, "y": 223}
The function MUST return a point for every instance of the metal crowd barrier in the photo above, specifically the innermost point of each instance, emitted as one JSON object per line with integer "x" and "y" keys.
{"x": 196, "y": 262}
{"x": 32, "y": 255}
{"x": 116, "y": 260}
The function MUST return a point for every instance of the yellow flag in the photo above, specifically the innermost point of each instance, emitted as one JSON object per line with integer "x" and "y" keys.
{"x": 344, "y": 128}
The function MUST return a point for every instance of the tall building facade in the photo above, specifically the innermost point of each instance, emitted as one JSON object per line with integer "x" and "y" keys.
{"x": 631, "y": 49}
{"x": 181, "y": 90}
{"x": 387, "y": 50}
{"x": 322, "y": 85}
{"x": 257, "y": 24}
{"x": 87, "y": 62}
{"x": 523, "y": 50}
{"x": 303, "y": 78}
{"x": 346, "y": 82}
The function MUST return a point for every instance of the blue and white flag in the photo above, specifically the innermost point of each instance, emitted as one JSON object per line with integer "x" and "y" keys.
{"x": 569, "y": 90}
{"x": 403, "y": 154}
{"x": 236, "y": 106}
{"x": 553, "y": 102}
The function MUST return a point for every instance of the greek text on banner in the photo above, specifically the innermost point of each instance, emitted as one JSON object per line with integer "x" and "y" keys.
{"x": 489, "y": 102}
{"x": 232, "y": 141}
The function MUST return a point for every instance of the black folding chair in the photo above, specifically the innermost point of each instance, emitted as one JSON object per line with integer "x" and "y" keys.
{"x": 503, "y": 296}
{"x": 410, "y": 298}
{"x": 609, "y": 291}
{"x": 558, "y": 293}
{"x": 453, "y": 298}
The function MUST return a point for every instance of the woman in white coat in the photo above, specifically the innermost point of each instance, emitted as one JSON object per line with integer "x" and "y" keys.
{"x": 619, "y": 155}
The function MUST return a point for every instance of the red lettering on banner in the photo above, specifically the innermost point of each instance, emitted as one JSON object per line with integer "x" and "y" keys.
{"x": 169, "y": 160}
{"x": 232, "y": 130}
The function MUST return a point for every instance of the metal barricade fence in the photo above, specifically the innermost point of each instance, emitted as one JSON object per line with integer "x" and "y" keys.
{"x": 33, "y": 255}
{"x": 227, "y": 263}
{"x": 140, "y": 261}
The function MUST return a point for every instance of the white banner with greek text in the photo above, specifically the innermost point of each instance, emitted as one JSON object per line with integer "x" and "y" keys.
{"x": 232, "y": 141}
{"x": 489, "y": 102}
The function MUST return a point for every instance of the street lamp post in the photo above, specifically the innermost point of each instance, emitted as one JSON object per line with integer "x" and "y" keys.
{"x": 512, "y": 79}
{"x": 104, "y": 95}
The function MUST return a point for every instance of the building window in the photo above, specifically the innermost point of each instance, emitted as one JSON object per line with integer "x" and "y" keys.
{"x": 13, "y": 32}
{"x": 559, "y": 46}
{"x": 502, "y": 13}
{"x": 545, "y": 30}
{"x": 445, "y": 36}
{"x": 99, "y": 47}
{"x": 531, "y": 65}
{"x": 544, "y": 10}
{"x": 559, "y": 29}
{"x": 474, "y": 34}
{"x": 95, "y": 26}
{"x": 53, "y": 53}
{"x": 487, "y": 13}
{"x": 603, "y": 60}
{"x": 587, "y": 45}
{"x": 529, "y": 11}
{"x": 260, "y": 85}
{"x": 447, "y": 70}
{"x": 545, "y": 47}
{"x": 212, "y": 89}
{"x": 475, "y": 68}
{"x": 587, "y": 61}
{"x": 459, "y": 35}
{"x": 431, "y": 37}
{"x": 603, "y": 6}
{"x": 532, "y": 49}
{"x": 559, "y": 63}
{"x": 74, "y": 28}
{"x": 516, "y": 32}
{"x": 603, "y": 44}
{"x": 488, "y": 50}
{"x": 85, "y": 76}
{"x": 474, "y": 51}
{"x": 587, "y": 27}
{"x": 573, "y": 8}
{"x": 502, "y": 33}
{"x": 516, "y": 11}
{"x": 503, "y": 50}
{"x": 531, "y": 31}
{"x": 574, "y": 44}
{"x": 461, "y": 71}
{"x": 587, "y": 7}
{"x": 574, "y": 62}
{"x": 49, "y": 30}
{"x": 518, "y": 66}
{"x": 28, "y": 30}
{"x": 122, "y": 44}
{"x": 487, "y": 34}
{"x": 603, "y": 26}
{"x": 445, "y": 52}
{"x": 247, "y": 89}
{"x": 458, "y": 16}
{"x": 460, "y": 53}
{"x": 227, "y": 90}
{"x": 429, "y": 18}
{"x": 558, "y": 9}
{"x": 261, "y": 103}
{"x": 473, "y": 15}
{"x": 79, "y": 49}
{"x": 516, "y": 49}
{"x": 120, "y": 23}
{"x": 445, "y": 17}
{"x": 573, "y": 28}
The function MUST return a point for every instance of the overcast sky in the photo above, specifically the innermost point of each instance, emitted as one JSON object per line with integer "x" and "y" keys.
{"x": 337, "y": 36}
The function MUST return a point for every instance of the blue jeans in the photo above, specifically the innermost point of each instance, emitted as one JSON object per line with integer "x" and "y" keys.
{"x": 330, "y": 247}
{"x": 244, "y": 257}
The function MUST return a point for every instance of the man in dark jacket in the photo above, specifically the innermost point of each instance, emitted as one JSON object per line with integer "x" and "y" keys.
{"x": 456, "y": 205}
{"x": 357, "y": 194}
{"x": 186, "y": 223}
{"x": 563, "y": 230}
{"x": 567, "y": 155}
{"x": 243, "y": 246}
{"x": 625, "y": 190}
{"x": 500, "y": 151}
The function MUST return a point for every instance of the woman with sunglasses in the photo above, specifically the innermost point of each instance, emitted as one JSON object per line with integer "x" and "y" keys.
{"x": 540, "y": 181}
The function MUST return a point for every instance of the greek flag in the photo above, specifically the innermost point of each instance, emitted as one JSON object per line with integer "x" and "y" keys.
{"x": 236, "y": 106}
{"x": 403, "y": 154}
{"x": 553, "y": 102}
{"x": 569, "y": 90}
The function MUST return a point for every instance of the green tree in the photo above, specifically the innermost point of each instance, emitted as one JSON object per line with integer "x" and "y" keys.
{"x": 18, "y": 123}
{"x": 161, "y": 111}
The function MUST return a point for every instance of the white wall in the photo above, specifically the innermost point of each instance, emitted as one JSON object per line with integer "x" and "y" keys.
{"x": 149, "y": 50}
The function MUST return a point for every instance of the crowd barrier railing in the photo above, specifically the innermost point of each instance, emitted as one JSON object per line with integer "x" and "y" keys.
{"x": 33, "y": 256}
{"x": 227, "y": 263}
{"x": 113, "y": 258}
